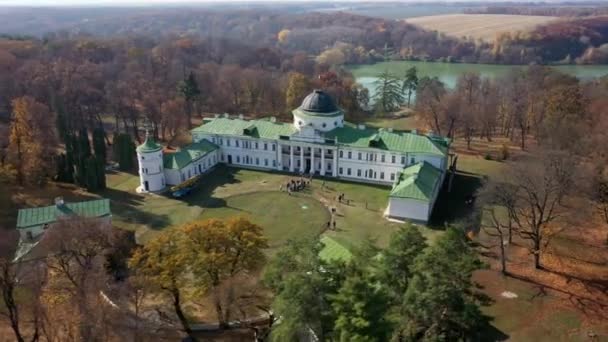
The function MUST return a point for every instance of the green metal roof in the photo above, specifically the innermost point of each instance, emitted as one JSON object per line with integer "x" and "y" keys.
{"x": 188, "y": 154}
{"x": 38, "y": 216}
{"x": 263, "y": 129}
{"x": 148, "y": 146}
{"x": 349, "y": 135}
{"x": 398, "y": 141}
{"x": 417, "y": 182}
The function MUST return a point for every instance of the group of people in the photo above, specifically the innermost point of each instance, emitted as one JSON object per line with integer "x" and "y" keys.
{"x": 296, "y": 185}
{"x": 342, "y": 199}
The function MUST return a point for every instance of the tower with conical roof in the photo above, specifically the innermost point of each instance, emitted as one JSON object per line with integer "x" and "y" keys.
{"x": 150, "y": 160}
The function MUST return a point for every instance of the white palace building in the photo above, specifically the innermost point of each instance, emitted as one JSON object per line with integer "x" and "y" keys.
{"x": 318, "y": 141}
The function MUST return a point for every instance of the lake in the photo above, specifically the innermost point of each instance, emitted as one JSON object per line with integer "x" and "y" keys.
{"x": 448, "y": 73}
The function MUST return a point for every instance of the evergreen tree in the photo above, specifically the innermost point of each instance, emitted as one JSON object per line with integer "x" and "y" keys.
{"x": 303, "y": 284}
{"x": 99, "y": 144}
{"x": 124, "y": 151}
{"x": 439, "y": 303}
{"x": 360, "y": 307}
{"x": 410, "y": 83}
{"x": 388, "y": 95}
{"x": 82, "y": 149}
{"x": 91, "y": 174}
{"x": 189, "y": 89}
{"x": 398, "y": 258}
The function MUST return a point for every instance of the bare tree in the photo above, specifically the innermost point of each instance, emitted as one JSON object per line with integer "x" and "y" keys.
{"x": 541, "y": 185}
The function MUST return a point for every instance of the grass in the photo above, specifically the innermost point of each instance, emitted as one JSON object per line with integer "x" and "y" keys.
{"x": 479, "y": 26}
{"x": 229, "y": 191}
{"x": 282, "y": 217}
{"x": 333, "y": 250}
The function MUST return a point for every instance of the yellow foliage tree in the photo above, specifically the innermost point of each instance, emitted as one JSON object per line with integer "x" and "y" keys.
{"x": 31, "y": 139}
{"x": 297, "y": 87}
{"x": 198, "y": 258}
{"x": 283, "y": 36}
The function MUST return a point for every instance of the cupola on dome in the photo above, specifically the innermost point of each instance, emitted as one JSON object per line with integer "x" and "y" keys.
{"x": 319, "y": 102}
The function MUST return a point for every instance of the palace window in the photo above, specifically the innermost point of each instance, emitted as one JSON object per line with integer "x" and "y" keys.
{"x": 360, "y": 156}
{"x": 266, "y": 162}
{"x": 381, "y": 175}
{"x": 358, "y": 172}
{"x": 412, "y": 160}
{"x": 341, "y": 154}
{"x": 274, "y": 163}
{"x": 393, "y": 159}
{"x": 256, "y": 145}
{"x": 274, "y": 147}
{"x": 348, "y": 171}
{"x": 265, "y": 146}
{"x": 350, "y": 155}
{"x": 403, "y": 160}
{"x": 257, "y": 161}
{"x": 392, "y": 176}
{"x": 228, "y": 142}
{"x": 236, "y": 143}
{"x": 340, "y": 170}
{"x": 382, "y": 158}
{"x": 238, "y": 159}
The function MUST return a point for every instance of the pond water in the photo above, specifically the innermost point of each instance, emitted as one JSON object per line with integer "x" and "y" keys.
{"x": 366, "y": 74}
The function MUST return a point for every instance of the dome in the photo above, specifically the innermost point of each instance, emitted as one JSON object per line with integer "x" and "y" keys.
{"x": 319, "y": 102}
{"x": 149, "y": 146}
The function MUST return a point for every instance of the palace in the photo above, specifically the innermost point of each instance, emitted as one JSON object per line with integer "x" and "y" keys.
{"x": 318, "y": 142}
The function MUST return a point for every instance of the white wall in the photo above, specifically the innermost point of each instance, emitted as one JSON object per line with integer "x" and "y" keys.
{"x": 151, "y": 170}
{"x": 321, "y": 123}
{"x": 195, "y": 168}
{"x": 409, "y": 209}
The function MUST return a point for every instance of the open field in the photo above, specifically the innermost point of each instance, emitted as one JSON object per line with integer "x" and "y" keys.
{"x": 479, "y": 26}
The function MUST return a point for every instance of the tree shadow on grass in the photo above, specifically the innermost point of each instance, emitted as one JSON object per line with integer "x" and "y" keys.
{"x": 452, "y": 206}
{"x": 126, "y": 206}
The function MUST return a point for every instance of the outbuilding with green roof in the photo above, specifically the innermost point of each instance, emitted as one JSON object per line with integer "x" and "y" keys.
{"x": 31, "y": 222}
{"x": 414, "y": 192}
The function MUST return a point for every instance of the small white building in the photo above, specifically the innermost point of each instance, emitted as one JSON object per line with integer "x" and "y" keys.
{"x": 414, "y": 193}
{"x": 317, "y": 142}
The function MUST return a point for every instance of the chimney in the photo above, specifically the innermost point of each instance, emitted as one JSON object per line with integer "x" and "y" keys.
{"x": 361, "y": 126}
{"x": 241, "y": 117}
{"x": 227, "y": 116}
{"x": 390, "y": 129}
{"x": 273, "y": 119}
{"x": 414, "y": 131}
{"x": 59, "y": 202}
{"x": 216, "y": 116}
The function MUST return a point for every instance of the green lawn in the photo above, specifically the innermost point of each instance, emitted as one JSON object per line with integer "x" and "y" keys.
{"x": 229, "y": 191}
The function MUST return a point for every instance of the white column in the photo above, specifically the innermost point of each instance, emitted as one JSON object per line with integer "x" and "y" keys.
{"x": 302, "y": 166}
{"x": 312, "y": 160}
{"x": 334, "y": 169}
{"x": 291, "y": 158}
{"x": 322, "y": 161}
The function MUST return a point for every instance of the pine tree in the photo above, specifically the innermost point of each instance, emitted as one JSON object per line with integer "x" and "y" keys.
{"x": 189, "y": 89}
{"x": 91, "y": 179}
{"x": 440, "y": 302}
{"x": 388, "y": 96}
{"x": 410, "y": 83}
{"x": 124, "y": 151}
{"x": 361, "y": 307}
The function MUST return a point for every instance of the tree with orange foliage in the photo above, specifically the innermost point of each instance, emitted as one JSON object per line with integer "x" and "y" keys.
{"x": 31, "y": 139}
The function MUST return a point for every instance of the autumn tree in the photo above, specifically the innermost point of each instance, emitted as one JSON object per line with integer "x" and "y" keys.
{"x": 32, "y": 139}
{"x": 162, "y": 265}
{"x": 76, "y": 250}
{"x": 430, "y": 102}
{"x": 220, "y": 251}
{"x": 298, "y": 86}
